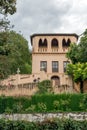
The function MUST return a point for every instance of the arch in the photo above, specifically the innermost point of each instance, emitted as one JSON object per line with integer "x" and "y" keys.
{"x": 54, "y": 77}
{"x": 54, "y": 43}
{"x": 45, "y": 43}
{"x": 55, "y": 80}
{"x": 42, "y": 43}
{"x": 68, "y": 42}
{"x": 64, "y": 43}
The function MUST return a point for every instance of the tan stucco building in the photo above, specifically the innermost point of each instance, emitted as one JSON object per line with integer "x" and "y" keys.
{"x": 49, "y": 57}
{"x": 48, "y": 62}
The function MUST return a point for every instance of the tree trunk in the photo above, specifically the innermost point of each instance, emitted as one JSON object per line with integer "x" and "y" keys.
{"x": 81, "y": 86}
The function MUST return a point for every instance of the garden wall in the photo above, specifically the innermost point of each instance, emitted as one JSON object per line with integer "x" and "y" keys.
{"x": 44, "y": 116}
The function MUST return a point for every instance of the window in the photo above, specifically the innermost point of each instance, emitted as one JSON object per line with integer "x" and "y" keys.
{"x": 63, "y": 43}
{"x": 65, "y": 63}
{"x": 54, "y": 66}
{"x": 40, "y": 43}
{"x": 43, "y": 43}
{"x": 54, "y": 43}
{"x": 43, "y": 66}
{"x": 66, "y": 44}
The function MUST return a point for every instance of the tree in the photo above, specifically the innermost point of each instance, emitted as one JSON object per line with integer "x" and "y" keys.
{"x": 78, "y": 55}
{"x": 78, "y": 52}
{"x": 14, "y": 53}
{"x": 6, "y": 7}
{"x": 4, "y": 67}
{"x": 78, "y": 72}
{"x": 73, "y": 54}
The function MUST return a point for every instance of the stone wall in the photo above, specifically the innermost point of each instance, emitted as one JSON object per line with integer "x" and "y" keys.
{"x": 44, "y": 116}
{"x": 27, "y": 89}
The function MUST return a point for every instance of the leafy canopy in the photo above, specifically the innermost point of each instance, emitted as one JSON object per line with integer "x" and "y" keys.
{"x": 6, "y": 7}
{"x": 78, "y": 55}
{"x": 77, "y": 71}
{"x": 14, "y": 53}
{"x": 78, "y": 52}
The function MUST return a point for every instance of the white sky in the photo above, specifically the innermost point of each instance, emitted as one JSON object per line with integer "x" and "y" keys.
{"x": 50, "y": 16}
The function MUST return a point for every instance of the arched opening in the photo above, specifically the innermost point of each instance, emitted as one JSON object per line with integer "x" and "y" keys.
{"x": 43, "y": 43}
{"x": 40, "y": 43}
{"x": 63, "y": 43}
{"x": 68, "y": 42}
{"x": 55, "y": 80}
{"x": 54, "y": 43}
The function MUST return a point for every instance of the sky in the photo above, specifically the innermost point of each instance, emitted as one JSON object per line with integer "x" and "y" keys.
{"x": 49, "y": 16}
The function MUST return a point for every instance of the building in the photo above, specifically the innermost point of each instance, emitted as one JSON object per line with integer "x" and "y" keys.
{"x": 49, "y": 57}
{"x": 48, "y": 63}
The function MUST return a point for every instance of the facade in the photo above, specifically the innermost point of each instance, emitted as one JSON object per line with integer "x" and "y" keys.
{"x": 48, "y": 63}
{"x": 49, "y": 57}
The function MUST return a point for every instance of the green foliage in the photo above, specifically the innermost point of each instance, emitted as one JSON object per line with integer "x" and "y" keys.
{"x": 30, "y": 109}
{"x": 8, "y": 110}
{"x": 65, "y": 105}
{"x": 62, "y": 104}
{"x": 6, "y": 7}
{"x": 14, "y": 53}
{"x": 17, "y": 107}
{"x": 42, "y": 107}
{"x": 83, "y": 103}
{"x": 78, "y": 53}
{"x": 4, "y": 67}
{"x": 43, "y": 103}
{"x": 58, "y": 124}
{"x": 45, "y": 86}
{"x": 78, "y": 72}
{"x": 56, "y": 105}
{"x": 72, "y": 53}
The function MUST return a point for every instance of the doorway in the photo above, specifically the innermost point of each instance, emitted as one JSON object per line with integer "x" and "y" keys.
{"x": 55, "y": 81}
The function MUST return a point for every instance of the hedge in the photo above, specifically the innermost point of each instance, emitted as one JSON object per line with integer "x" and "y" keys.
{"x": 44, "y": 103}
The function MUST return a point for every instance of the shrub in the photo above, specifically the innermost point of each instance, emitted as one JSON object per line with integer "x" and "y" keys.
{"x": 45, "y": 86}
{"x": 83, "y": 103}
{"x": 42, "y": 107}
{"x": 58, "y": 102}
{"x": 17, "y": 107}
{"x": 62, "y": 124}
{"x": 8, "y": 110}
{"x": 30, "y": 109}
{"x": 65, "y": 104}
{"x": 56, "y": 105}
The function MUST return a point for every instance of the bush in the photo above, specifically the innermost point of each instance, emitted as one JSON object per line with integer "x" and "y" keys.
{"x": 30, "y": 109}
{"x": 8, "y": 111}
{"x": 17, "y": 107}
{"x": 56, "y": 105}
{"x": 65, "y": 104}
{"x": 51, "y": 103}
{"x": 45, "y": 87}
{"x": 83, "y": 103}
{"x": 62, "y": 124}
{"x": 42, "y": 107}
